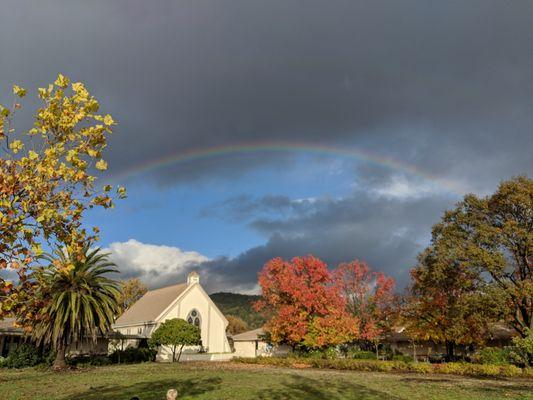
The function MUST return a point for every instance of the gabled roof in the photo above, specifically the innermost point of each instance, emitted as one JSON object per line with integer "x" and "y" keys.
{"x": 8, "y": 325}
{"x": 151, "y": 305}
{"x": 256, "y": 334}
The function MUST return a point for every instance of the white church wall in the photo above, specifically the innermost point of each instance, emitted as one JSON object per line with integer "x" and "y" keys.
{"x": 212, "y": 324}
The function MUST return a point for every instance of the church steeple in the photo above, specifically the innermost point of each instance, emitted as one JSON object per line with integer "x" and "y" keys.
{"x": 193, "y": 277}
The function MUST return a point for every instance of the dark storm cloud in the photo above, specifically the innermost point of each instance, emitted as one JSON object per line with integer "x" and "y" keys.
{"x": 446, "y": 85}
{"x": 386, "y": 232}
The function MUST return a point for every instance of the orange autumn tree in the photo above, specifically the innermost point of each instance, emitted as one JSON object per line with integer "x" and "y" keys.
{"x": 369, "y": 298}
{"x": 307, "y": 310}
{"x": 446, "y": 304}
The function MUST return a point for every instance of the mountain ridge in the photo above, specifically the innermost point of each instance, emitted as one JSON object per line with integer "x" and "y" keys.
{"x": 239, "y": 305}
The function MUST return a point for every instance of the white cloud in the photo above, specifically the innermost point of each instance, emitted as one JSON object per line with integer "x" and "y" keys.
{"x": 155, "y": 265}
{"x": 403, "y": 188}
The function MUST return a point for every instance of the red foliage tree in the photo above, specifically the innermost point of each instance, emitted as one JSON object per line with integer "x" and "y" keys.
{"x": 369, "y": 297}
{"x": 307, "y": 309}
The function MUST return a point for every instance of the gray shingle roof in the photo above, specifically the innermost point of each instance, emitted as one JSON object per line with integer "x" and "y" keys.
{"x": 151, "y": 305}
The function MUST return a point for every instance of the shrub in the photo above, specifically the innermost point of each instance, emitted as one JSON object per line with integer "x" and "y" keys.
{"x": 24, "y": 355}
{"x": 49, "y": 357}
{"x": 396, "y": 366}
{"x": 328, "y": 353}
{"x": 133, "y": 355}
{"x": 492, "y": 355}
{"x": 527, "y": 372}
{"x": 420, "y": 367}
{"x": 360, "y": 354}
{"x": 401, "y": 357}
{"x": 89, "y": 360}
{"x": 437, "y": 358}
{"x": 510, "y": 370}
{"x": 521, "y": 353}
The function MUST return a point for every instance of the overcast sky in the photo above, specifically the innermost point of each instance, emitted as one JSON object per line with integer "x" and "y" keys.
{"x": 418, "y": 102}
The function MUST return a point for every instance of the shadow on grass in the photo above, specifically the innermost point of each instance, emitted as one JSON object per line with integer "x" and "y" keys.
{"x": 492, "y": 384}
{"x": 298, "y": 387}
{"x": 418, "y": 379}
{"x": 152, "y": 390}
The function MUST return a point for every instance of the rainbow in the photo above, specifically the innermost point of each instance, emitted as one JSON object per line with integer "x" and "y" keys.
{"x": 286, "y": 147}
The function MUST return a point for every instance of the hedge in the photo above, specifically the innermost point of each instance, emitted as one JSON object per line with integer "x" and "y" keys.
{"x": 27, "y": 355}
{"x": 468, "y": 369}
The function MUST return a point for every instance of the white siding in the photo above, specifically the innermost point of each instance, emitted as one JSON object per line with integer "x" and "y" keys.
{"x": 213, "y": 324}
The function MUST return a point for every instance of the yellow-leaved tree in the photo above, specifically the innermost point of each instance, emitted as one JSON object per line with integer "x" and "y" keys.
{"x": 47, "y": 182}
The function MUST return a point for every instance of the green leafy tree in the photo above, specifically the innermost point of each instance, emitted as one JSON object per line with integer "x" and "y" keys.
{"x": 47, "y": 181}
{"x": 491, "y": 239}
{"x": 82, "y": 300}
{"x": 176, "y": 333}
{"x": 477, "y": 270}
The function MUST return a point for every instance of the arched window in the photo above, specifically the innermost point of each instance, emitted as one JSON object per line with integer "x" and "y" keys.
{"x": 194, "y": 318}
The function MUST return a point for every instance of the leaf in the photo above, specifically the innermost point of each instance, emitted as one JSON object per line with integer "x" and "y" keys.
{"x": 121, "y": 192}
{"x": 16, "y": 146}
{"x": 101, "y": 165}
{"x": 62, "y": 81}
{"x": 108, "y": 120}
{"x": 20, "y": 92}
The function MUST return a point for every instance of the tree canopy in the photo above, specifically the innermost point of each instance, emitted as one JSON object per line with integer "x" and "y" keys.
{"x": 307, "y": 310}
{"x": 47, "y": 182}
{"x": 131, "y": 290}
{"x": 369, "y": 297}
{"x": 478, "y": 267}
{"x": 81, "y": 299}
{"x": 176, "y": 333}
{"x": 236, "y": 325}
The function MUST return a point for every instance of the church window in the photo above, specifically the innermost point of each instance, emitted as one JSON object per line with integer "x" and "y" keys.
{"x": 194, "y": 318}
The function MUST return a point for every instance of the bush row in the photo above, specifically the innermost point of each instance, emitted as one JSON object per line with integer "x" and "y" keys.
{"x": 392, "y": 366}
{"x": 351, "y": 352}
{"x": 27, "y": 355}
{"x": 132, "y": 355}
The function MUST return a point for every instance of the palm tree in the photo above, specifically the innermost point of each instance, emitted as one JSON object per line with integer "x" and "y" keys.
{"x": 81, "y": 299}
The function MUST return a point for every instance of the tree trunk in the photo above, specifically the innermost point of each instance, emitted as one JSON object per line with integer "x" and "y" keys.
{"x": 60, "y": 362}
{"x": 376, "y": 344}
{"x": 414, "y": 351}
{"x": 174, "y": 353}
{"x": 450, "y": 350}
{"x": 179, "y": 355}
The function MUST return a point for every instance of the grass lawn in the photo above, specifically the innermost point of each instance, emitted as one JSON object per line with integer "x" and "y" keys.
{"x": 220, "y": 381}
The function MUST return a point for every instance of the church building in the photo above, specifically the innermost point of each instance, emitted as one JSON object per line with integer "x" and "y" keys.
{"x": 187, "y": 301}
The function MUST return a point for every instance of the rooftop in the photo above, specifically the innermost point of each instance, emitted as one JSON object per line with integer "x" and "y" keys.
{"x": 151, "y": 305}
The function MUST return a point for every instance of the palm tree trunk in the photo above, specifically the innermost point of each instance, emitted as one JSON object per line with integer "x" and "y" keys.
{"x": 60, "y": 361}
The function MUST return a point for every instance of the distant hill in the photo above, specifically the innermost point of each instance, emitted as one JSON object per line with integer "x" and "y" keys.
{"x": 239, "y": 305}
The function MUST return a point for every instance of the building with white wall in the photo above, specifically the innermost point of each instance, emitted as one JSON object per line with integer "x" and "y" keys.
{"x": 187, "y": 301}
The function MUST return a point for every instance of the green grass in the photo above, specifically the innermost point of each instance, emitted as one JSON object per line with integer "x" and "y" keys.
{"x": 238, "y": 381}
